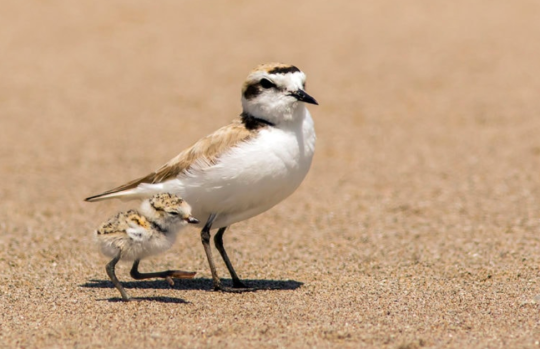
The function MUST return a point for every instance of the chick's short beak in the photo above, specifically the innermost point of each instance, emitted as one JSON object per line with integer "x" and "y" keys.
{"x": 192, "y": 220}
{"x": 302, "y": 96}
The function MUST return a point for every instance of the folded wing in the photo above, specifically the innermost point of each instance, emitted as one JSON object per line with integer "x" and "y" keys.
{"x": 204, "y": 152}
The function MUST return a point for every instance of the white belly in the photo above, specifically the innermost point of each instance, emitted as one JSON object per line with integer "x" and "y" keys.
{"x": 251, "y": 178}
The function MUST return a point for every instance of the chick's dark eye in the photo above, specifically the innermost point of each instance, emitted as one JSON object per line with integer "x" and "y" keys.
{"x": 267, "y": 83}
{"x": 174, "y": 213}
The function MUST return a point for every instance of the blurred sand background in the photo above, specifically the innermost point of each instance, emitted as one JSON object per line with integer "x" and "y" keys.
{"x": 418, "y": 225}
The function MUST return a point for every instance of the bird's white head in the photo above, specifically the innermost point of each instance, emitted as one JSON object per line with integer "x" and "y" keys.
{"x": 275, "y": 92}
{"x": 168, "y": 210}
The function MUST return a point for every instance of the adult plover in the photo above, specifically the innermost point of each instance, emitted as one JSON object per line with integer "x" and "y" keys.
{"x": 244, "y": 168}
{"x": 134, "y": 235}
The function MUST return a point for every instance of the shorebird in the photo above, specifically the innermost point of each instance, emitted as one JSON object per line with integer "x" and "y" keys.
{"x": 134, "y": 235}
{"x": 242, "y": 169}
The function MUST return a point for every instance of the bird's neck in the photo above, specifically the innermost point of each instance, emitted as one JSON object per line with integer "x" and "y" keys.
{"x": 253, "y": 123}
{"x": 284, "y": 117}
{"x": 166, "y": 226}
{"x": 159, "y": 226}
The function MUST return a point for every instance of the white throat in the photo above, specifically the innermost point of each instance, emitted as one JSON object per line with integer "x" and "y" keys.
{"x": 276, "y": 114}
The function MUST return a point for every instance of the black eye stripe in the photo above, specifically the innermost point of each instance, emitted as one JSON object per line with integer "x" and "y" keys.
{"x": 252, "y": 91}
{"x": 265, "y": 83}
{"x": 257, "y": 87}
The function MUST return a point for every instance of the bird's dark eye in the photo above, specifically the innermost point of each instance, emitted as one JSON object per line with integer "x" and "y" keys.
{"x": 267, "y": 83}
{"x": 174, "y": 213}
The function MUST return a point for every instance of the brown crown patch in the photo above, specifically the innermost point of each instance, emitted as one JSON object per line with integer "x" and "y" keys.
{"x": 275, "y": 68}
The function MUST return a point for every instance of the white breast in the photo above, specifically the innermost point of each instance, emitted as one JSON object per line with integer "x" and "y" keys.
{"x": 252, "y": 177}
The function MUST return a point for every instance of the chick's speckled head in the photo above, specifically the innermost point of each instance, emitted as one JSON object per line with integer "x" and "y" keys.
{"x": 166, "y": 204}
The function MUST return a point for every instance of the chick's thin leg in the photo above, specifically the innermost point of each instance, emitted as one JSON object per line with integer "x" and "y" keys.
{"x": 167, "y": 274}
{"x": 205, "y": 238}
{"x": 112, "y": 275}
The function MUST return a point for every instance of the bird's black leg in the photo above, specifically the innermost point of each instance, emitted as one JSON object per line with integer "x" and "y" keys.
{"x": 205, "y": 237}
{"x": 218, "y": 241}
{"x": 112, "y": 275}
{"x": 167, "y": 274}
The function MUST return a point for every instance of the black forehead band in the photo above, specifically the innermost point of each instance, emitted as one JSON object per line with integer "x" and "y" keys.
{"x": 284, "y": 70}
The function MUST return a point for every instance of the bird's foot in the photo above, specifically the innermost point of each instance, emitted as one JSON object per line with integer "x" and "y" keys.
{"x": 238, "y": 287}
{"x": 238, "y": 284}
{"x": 180, "y": 274}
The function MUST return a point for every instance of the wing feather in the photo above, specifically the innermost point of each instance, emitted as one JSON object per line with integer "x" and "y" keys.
{"x": 205, "y": 151}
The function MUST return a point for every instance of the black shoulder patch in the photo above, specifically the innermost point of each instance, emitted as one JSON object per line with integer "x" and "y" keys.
{"x": 284, "y": 70}
{"x": 253, "y": 123}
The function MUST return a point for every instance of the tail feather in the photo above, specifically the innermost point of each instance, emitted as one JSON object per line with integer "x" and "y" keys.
{"x": 125, "y": 195}
{"x": 126, "y": 191}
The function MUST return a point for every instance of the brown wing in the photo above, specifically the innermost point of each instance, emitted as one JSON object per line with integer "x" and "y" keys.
{"x": 207, "y": 149}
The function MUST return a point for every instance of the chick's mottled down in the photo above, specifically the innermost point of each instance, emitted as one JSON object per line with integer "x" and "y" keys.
{"x": 134, "y": 235}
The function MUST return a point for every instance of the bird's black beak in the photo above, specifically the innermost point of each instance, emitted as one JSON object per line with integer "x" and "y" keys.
{"x": 192, "y": 220}
{"x": 302, "y": 96}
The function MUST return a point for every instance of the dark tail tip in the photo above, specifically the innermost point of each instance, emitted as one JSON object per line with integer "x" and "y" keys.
{"x": 92, "y": 198}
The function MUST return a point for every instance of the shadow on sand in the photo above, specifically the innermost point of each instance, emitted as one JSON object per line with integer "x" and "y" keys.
{"x": 170, "y": 300}
{"x": 204, "y": 284}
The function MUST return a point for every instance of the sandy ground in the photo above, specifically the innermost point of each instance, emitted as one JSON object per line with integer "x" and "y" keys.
{"x": 416, "y": 227}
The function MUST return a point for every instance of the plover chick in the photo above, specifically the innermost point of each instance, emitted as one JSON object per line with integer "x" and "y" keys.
{"x": 245, "y": 168}
{"x": 134, "y": 235}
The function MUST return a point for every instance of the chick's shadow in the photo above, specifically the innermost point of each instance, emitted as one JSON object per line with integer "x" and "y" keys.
{"x": 159, "y": 299}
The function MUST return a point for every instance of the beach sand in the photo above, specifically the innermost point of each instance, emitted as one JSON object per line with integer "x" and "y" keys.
{"x": 417, "y": 226}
